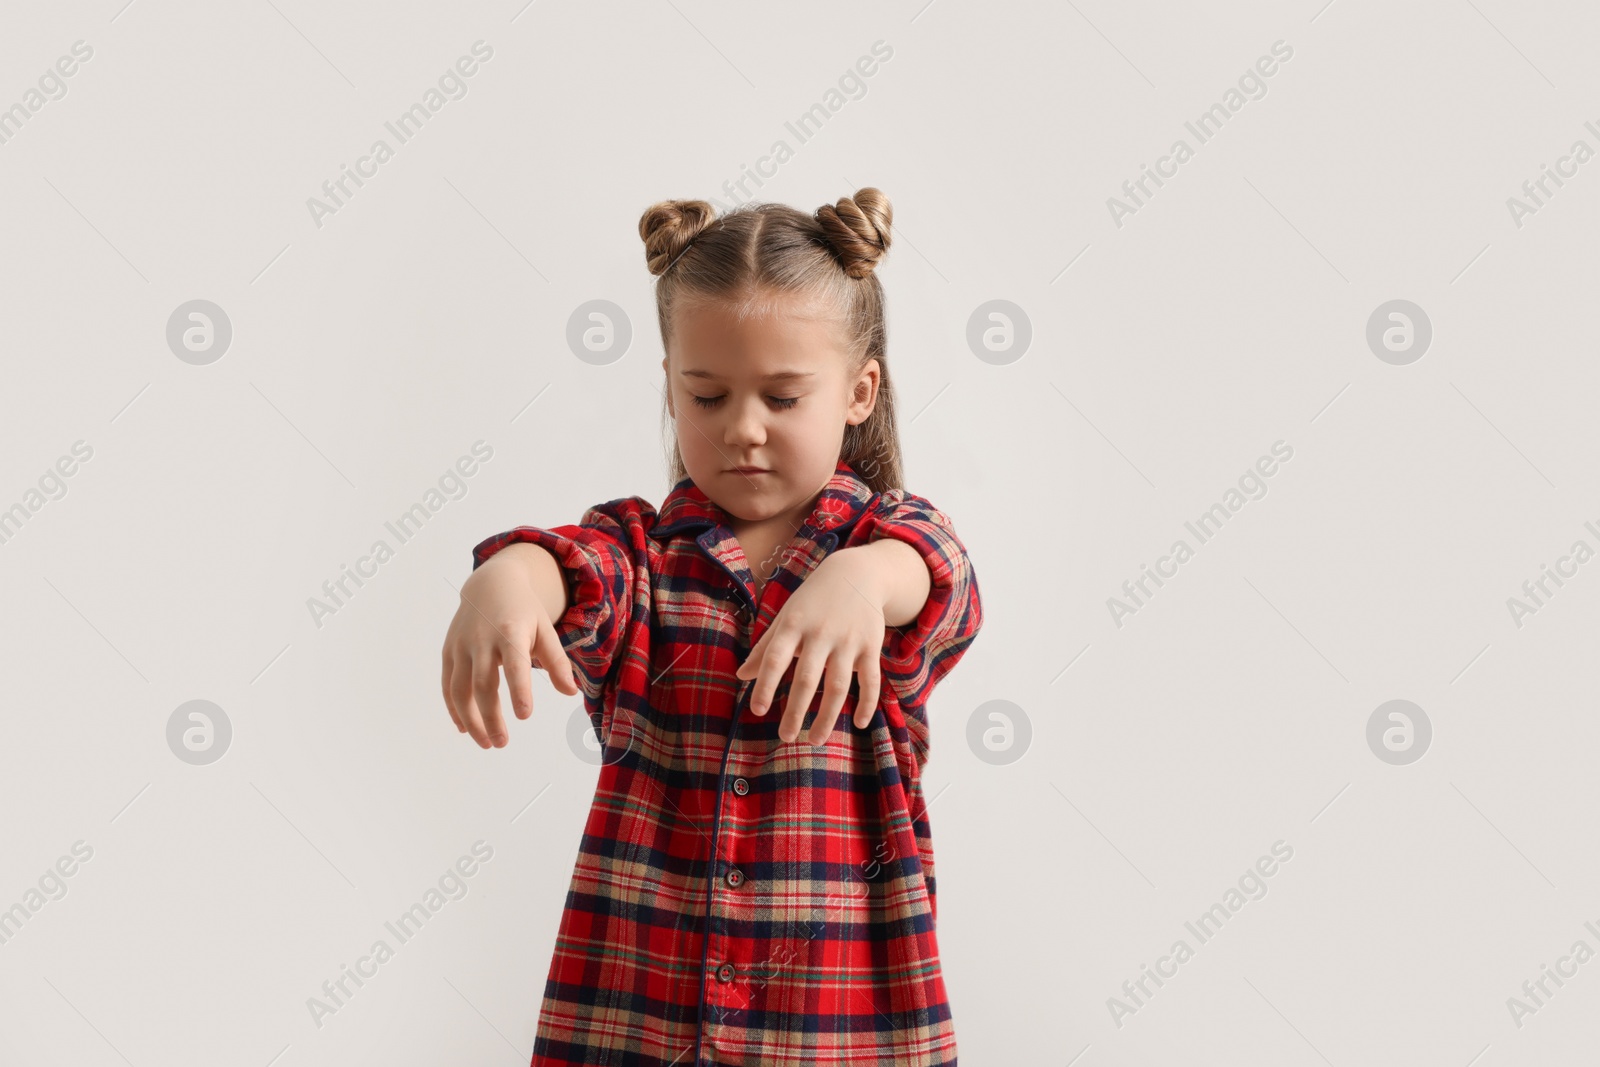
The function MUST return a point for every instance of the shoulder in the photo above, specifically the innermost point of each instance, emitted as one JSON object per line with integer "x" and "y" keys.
{"x": 901, "y": 514}
{"x": 624, "y": 512}
{"x": 903, "y": 505}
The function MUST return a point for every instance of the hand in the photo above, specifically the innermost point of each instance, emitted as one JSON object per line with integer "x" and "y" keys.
{"x": 833, "y": 620}
{"x": 501, "y": 623}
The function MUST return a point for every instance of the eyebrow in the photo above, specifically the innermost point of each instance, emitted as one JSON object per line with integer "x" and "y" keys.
{"x": 780, "y": 376}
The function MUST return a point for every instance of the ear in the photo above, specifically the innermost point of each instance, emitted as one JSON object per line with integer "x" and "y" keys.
{"x": 666, "y": 377}
{"x": 863, "y": 394}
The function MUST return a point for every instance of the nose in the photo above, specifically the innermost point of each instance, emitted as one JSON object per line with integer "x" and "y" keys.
{"x": 746, "y": 426}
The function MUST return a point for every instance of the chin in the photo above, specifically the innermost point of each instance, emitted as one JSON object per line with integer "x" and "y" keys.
{"x": 744, "y": 509}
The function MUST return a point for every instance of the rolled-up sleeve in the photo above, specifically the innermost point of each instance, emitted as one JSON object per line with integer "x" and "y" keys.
{"x": 603, "y": 558}
{"x": 917, "y": 655}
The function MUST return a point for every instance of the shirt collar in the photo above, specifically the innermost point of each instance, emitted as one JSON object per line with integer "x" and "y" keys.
{"x": 842, "y": 499}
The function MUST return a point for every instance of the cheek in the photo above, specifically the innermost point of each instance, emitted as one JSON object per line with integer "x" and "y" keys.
{"x": 696, "y": 429}
{"x": 817, "y": 420}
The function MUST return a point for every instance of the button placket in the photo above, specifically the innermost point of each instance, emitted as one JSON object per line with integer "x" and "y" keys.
{"x": 724, "y": 840}
{"x": 744, "y": 618}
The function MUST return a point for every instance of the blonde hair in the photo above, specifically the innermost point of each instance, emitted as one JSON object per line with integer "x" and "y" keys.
{"x": 756, "y": 249}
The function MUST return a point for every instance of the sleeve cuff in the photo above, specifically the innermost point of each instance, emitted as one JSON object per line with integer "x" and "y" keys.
{"x": 597, "y": 560}
{"x": 917, "y": 655}
{"x": 592, "y": 581}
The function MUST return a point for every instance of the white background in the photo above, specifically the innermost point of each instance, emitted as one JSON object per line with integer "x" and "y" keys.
{"x": 1167, "y": 354}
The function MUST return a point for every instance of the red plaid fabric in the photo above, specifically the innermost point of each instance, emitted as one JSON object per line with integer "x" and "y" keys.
{"x": 738, "y": 900}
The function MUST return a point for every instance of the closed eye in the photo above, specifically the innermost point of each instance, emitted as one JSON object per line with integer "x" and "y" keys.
{"x": 712, "y": 401}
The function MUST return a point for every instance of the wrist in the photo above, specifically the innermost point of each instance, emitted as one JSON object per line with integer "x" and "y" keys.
{"x": 536, "y": 567}
{"x": 890, "y": 574}
{"x": 520, "y": 557}
{"x": 870, "y": 569}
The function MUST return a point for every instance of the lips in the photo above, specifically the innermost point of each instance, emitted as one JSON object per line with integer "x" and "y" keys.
{"x": 748, "y": 470}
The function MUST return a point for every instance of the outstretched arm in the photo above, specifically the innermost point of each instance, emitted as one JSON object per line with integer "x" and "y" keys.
{"x": 578, "y": 588}
{"x": 897, "y": 610}
{"x": 835, "y": 624}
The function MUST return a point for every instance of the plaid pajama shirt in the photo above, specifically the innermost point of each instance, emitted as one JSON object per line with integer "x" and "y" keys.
{"x": 738, "y": 900}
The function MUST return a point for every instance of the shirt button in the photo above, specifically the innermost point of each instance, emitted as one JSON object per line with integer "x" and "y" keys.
{"x": 741, "y": 786}
{"x": 725, "y": 973}
{"x": 735, "y": 877}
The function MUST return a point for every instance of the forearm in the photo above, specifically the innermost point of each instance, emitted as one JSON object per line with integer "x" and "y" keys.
{"x": 536, "y": 566}
{"x": 891, "y": 575}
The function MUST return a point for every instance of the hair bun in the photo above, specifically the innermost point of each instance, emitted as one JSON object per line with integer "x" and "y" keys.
{"x": 668, "y": 227}
{"x": 857, "y": 228}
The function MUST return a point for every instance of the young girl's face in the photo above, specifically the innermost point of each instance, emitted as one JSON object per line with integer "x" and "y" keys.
{"x": 761, "y": 404}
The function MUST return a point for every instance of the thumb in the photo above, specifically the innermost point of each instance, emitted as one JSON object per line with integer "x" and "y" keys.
{"x": 553, "y": 659}
{"x": 747, "y": 669}
{"x": 752, "y": 660}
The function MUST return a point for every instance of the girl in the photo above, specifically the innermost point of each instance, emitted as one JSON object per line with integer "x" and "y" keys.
{"x": 739, "y": 898}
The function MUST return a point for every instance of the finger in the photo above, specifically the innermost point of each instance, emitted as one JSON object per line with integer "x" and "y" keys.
{"x": 444, "y": 686}
{"x": 752, "y": 659}
{"x": 770, "y": 671}
{"x": 835, "y": 687}
{"x": 461, "y": 696}
{"x": 801, "y": 690}
{"x": 486, "y": 690}
{"x": 553, "y": 658}
{"x": 870, "y": 679}
{"x": 514, "y": 658}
